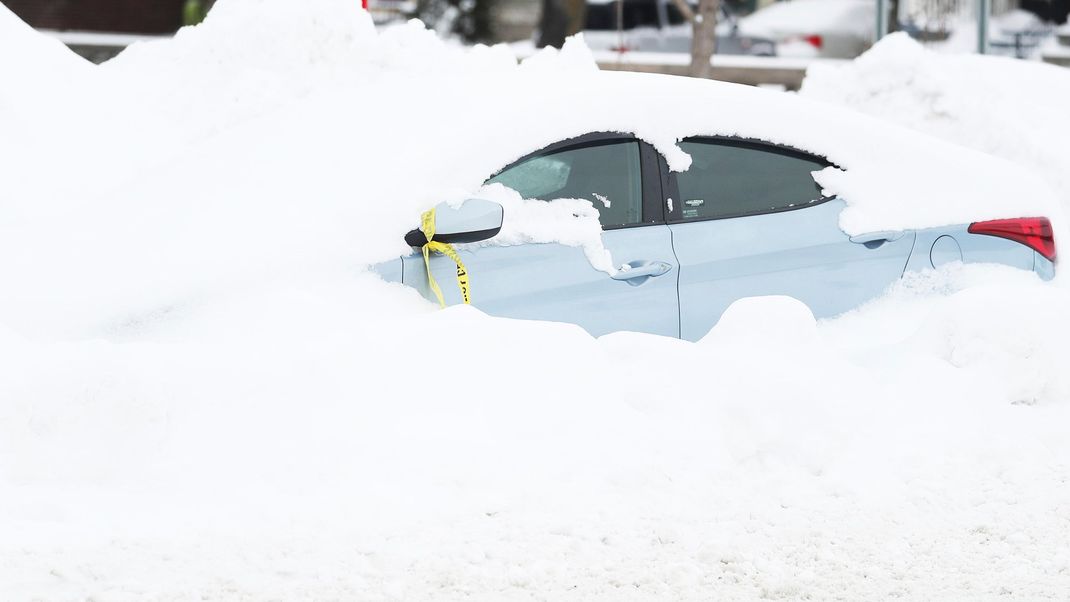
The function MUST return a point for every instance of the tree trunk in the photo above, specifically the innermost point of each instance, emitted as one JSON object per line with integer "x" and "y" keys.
{"x": 553, "y": 26}
{"x": 703, "y": 37}
{"x": 577, "y": 16}
{"x": 685, "y": 10}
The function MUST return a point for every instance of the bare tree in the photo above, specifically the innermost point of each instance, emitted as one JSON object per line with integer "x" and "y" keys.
{"x": 704, "y": 37}
{"x": 703, "y": 33}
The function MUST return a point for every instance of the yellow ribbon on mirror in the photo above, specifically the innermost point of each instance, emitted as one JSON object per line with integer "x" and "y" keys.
{"x": 427, "y": 225}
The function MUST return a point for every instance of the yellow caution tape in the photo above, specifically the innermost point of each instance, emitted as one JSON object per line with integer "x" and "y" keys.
{"x": 427, "y": 225}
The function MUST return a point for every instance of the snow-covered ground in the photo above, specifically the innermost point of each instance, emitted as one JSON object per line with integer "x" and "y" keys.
{"x": 203, "y": 395}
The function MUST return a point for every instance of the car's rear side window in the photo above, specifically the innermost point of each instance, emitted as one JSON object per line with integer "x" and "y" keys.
{"x": 730, "y": 179}
{"x": 606, "y": 173}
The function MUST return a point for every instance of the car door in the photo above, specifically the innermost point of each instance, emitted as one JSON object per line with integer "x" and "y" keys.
{"x": 747, "y": 219}
{"x": 620, "y": 175}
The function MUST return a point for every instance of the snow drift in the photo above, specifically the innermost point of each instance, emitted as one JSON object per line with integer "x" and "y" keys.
{"x": 1006, "y": 107}
{"x": 204, "y": 394}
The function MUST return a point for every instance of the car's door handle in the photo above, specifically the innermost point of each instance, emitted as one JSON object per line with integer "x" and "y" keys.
{"x": 637, "y": 272}
{"x": 877, "y": 238}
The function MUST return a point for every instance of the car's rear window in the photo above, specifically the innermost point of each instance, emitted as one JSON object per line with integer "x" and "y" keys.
{"x": 729, "y": 179}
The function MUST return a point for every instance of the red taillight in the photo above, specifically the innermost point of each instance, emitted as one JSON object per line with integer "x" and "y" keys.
{"x": 814, "y": 41}
{"x": 1033, "y": 232}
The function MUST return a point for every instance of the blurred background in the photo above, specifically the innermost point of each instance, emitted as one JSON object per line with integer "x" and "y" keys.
{"x": 644, "y": 35}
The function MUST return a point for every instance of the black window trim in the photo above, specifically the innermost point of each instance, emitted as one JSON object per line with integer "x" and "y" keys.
{"x": 649, "y": 171}
{"x": 672, "y": 190}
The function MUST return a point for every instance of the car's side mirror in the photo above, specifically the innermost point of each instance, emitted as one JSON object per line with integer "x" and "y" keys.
{"x": 472, "y": 221}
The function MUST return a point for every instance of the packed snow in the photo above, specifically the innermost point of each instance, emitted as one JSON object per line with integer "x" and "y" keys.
{"x": 205, "y": 395}
{"x": 1006, "y": 107}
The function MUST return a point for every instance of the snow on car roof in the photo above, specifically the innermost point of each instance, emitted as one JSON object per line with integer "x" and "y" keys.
{"x": 891, "y": 178}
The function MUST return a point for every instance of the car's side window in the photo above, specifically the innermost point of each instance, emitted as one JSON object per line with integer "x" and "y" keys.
{"x": 605, "y": 173}
{"x": 734, "y": 178}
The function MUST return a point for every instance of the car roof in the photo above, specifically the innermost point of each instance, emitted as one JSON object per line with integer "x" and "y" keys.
{"x": 892, "y": 178}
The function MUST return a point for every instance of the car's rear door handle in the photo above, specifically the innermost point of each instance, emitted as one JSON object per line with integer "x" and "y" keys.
{"x": 638, "y": 272}
{"x": 876, "y": 239}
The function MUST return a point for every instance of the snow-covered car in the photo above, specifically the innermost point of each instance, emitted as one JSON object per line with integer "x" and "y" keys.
{"x": 815, "y": 28}
{"x": 700, "y": 208}
{"x": 658, "y": 26}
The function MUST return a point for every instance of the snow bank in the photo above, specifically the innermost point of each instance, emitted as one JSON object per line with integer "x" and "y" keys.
{"x": 204, "y": 395}
{"x": 1008, "y": 108}
{"x": 339, "y": 456}
{"x": 39, "y": 58}
{"x": 37, "y": 74}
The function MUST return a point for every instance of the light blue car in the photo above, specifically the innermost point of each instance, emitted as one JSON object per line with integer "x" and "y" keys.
{"x": 746, "y": 219}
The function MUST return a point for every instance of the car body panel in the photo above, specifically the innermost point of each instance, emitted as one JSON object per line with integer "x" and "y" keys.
{"x": 1044, "y": 267}
{"x": 801, "y": 253}
{"x": 558, "y": 283}
{"x": 391, "y": 271}
{"x": 931, "y": 250}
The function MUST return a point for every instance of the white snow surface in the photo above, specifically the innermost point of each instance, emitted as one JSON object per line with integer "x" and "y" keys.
{"x": 204, "y": 395}
{"x": 570, "y": 222}
{"x": 1006, "y": 107}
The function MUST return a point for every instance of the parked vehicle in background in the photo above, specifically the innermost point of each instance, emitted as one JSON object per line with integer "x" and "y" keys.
{"x": 658, "y": 26}
{"x": 815, "y": 28}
